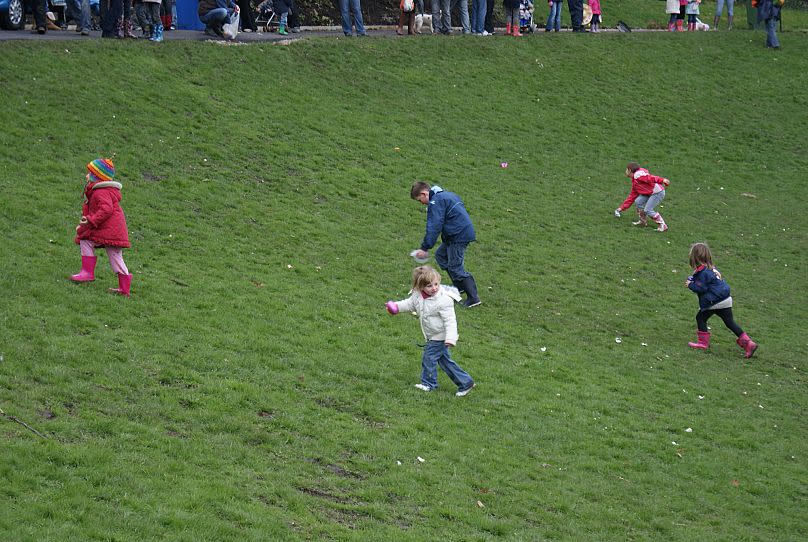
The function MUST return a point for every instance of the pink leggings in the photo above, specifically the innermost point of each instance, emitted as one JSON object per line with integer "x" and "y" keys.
{"x": 115, "y": 255}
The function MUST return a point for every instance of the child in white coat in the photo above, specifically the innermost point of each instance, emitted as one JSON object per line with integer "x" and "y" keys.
{"x": 434, "y": 305}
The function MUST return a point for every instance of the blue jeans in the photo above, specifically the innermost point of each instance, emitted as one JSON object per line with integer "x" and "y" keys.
{"x": 450, "y": 256}
{"x": 771, "y": 33}
{"x": 464, "y": 14}
{"x": 478, "y": 17}
{"x": 437, "y": 353}
{"x": 79, "y": 11}
{"x": 218, "y": 16}
{"x": 719, "y": 7}
{"x": 345, "y": 8}
{"x": 649, "y": 203}
{"x": 554, "y": 20}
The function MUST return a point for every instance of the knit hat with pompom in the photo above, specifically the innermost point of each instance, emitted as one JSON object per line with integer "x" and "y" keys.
{"x": 101, "y": 169}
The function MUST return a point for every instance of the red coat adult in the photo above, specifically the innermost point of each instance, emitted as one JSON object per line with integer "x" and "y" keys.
{"x": 106, "y": 223}
{"x": 643, "y": 183}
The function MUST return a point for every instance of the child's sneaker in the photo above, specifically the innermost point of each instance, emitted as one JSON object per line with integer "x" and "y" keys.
{"x": 463, "y": 393}
{"x": 662, "y": 227}
{"x": 423, "y": 387}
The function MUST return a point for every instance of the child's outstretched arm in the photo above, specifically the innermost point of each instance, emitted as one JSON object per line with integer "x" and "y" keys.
{"x": 405, "y": 305}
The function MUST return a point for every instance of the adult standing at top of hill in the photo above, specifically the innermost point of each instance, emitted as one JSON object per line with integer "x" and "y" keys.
{"x": 346, "y": 8}
{"x": 447, "y": 216}
{"x": 768, "y": 11}
{"x": 576, "y": 8}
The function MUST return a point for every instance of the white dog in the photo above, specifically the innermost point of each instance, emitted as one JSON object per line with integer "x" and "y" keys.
{"x": 422, "y": 21}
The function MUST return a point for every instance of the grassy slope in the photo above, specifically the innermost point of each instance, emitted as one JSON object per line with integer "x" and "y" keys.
{"x": 234, "y": 397}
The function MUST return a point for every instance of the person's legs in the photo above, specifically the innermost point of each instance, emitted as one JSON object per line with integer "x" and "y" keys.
{"x": 455, "y": 258}
{"x": 701, "y": 319}
{"x": 464, "y": 15}
{"x": 356, "y": 8}
{"x": 445, "y": 16}
{"x": 639, "y": 203}
{"x": 729, "y": 321}
{"x": 115, "y": 255}
{"x": 730, "y": 13}
{"x": 429, "y": 363}
{"x": 650, "y": 205}
{"x": 457, "y": 375}
{"x": 489, "y": 16}
{"x": 345, "y": 14}
{"x": 442, "y": 259}
{"x": 215, "y": 18}
{"x": 771, "y": 33}
{"x": 703, "y": 333}
{"x": 282, "y": 23}
{"x": 109, "y": 20}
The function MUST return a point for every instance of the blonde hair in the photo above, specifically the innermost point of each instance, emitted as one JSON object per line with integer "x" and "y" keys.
{"x": 422, "y": 276}
{"x": 700, "y": 255}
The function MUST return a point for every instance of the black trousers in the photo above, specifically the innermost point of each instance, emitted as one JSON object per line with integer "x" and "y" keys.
{"x": 724, "y": 314}
{"x": 294, "y": 15}
{"x": 111, "y": 11}
{"x": 38, "y": 9}
{"x": 488, "y": 26}
{"x": 576, "y": 8}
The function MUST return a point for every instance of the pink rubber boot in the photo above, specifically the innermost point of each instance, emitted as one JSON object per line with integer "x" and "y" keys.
{"x": 661, "y": 221}
{"x": 748, "y": 345}
{"x": 87, "y": 272}
{"x": 124, "y": 285}
{"x": 703, "y": 342}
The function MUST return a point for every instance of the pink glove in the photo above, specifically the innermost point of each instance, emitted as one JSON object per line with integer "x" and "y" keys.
{"x": 392, "y": 308}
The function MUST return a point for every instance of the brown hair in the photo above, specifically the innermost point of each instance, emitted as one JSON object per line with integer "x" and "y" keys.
{"x": 700, "y": 255}
{"x": 418, "y": 187}
{"x": 633, "y": 166}
{"x": 422, "y": 276}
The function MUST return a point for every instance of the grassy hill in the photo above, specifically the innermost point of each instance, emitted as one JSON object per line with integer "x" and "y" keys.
{"x": 253, "y": 387}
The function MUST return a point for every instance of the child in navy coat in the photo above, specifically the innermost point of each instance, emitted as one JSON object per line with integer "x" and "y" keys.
{"x": 714, "y": 298}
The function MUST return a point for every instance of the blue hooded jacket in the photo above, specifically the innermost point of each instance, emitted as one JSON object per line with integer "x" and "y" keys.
{"x": 446, "y": 216}
{"x": 709, "y": 286}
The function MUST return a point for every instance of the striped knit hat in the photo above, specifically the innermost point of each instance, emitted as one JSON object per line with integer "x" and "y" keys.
{"x": 101, "y": 169}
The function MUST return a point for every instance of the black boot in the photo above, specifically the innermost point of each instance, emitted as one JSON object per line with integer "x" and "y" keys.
{"x": 470, "y": 287}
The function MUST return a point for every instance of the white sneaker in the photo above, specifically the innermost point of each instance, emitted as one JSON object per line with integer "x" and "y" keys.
{"x": 463, "y": 393}
{"x": 638, "y": 223}
{"x": 662, "y": 227}
{"x": 485, "y": 33}
{"x": 423, "y": 387}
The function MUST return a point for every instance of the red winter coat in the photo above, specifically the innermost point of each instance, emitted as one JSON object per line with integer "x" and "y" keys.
{"x": 106, "y": 222}
{"x": 643, "y": 183}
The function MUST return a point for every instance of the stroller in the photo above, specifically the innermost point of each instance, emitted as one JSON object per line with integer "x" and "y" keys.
{"x": 526, "y": 23}
{"x": 264, "y": 16}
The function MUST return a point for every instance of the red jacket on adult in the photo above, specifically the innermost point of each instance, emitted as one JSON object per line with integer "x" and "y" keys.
{"x": 645, "y": 184}
{"x": 106, "y": 223}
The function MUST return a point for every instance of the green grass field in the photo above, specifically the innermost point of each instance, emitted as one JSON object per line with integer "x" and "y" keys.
{"x": 253, "y": 388}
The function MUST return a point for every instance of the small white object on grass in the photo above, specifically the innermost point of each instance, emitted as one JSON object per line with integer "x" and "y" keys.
{"x": 398, "y": 463}
{"x": 543, "y": 349}
{"x": 420, "y": 459}
{"x": 688, "y": 430}
{"x": 618, "y": 340}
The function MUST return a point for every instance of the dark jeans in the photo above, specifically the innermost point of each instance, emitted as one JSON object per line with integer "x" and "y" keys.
{"x": 576, "y": 8}
{"x": 489, "y": 17}
{"x": 724, "y": 314}
{"x": 294, "y": 15}
{"x": 111, "y": 11}
{"x": 38, "y": 9}
{"x": 451, "y": 256}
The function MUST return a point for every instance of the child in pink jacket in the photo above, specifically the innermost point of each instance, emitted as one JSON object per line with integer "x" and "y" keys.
{"x": 594, "y": 24}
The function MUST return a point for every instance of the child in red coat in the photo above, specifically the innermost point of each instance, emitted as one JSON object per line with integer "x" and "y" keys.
{"x": 103, "y": 224}
{"x": 648, "y": 191}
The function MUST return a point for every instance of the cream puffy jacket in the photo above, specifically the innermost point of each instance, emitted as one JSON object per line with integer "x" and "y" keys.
{"x": 436, "y": 313}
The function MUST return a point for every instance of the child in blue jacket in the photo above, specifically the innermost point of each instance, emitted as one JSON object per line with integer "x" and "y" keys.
{"x": 714, "y": 298}
{"x": 447, "y": 216}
